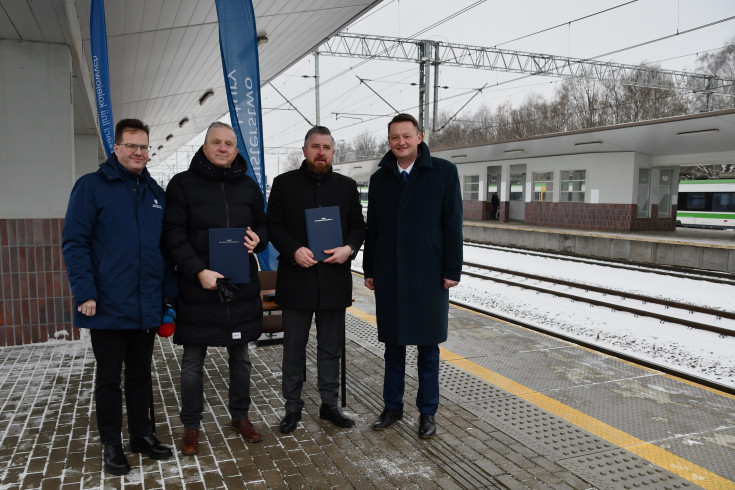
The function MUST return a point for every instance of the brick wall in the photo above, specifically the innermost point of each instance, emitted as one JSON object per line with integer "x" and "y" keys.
{"x": 477, "y": 210}
{"x": 585, "y": 216}
{"x": 37, "y": 304}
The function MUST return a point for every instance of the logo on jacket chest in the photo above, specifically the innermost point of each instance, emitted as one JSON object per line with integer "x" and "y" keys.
{"x": 156, "y": 205}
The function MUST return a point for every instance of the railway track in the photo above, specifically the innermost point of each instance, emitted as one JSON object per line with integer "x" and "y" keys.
{"x": 610, "y": 298}
{"x": 667, "y": 270}
{"x": 605, "y": 298}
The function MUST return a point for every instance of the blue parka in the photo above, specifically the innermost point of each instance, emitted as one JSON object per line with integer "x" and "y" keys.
{"x": 413, "y": 242}
{"x": 112, "y": 248}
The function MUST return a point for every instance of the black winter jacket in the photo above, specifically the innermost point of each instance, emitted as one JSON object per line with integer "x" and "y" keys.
{"x": 203, "y": 197}
{"x": 322, "y": 286}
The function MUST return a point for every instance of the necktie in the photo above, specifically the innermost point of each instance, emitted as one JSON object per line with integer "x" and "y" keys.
{"x": 404, "y": 174}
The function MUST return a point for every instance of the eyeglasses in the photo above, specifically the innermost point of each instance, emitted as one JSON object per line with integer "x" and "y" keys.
{"x": 132, "y": 147}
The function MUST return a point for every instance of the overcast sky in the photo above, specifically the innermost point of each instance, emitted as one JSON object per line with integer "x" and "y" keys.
{"x": 582, "y": 33}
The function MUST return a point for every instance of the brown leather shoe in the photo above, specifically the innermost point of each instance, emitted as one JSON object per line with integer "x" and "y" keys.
{"x": 245, "y": 427}
{"x": 190, "y": 442}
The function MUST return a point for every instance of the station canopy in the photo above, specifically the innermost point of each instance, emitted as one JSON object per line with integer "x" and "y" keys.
{"x": 164, "y": 54}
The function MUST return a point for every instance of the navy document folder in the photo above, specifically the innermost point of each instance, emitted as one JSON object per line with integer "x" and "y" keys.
{"x": 228, "y": 255}
{"x": 324, "y": 230}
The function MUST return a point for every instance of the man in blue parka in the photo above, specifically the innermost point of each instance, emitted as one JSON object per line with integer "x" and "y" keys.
{"x": 413, "y": 255}
{"x": 120, "y": 277}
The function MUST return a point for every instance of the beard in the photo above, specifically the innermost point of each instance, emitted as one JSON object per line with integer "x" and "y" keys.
{"x": 319, "y": 167}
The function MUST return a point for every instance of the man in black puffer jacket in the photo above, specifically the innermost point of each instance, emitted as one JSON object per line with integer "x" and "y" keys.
{"x": 214, "y": 193}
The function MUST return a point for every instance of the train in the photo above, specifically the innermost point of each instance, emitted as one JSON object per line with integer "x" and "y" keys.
{"x": 706, "y": 204}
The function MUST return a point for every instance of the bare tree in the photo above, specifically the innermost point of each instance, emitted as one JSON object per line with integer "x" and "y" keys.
{"x": 365, "y": 145}
{"x": 293, "y": 161}
{"x": 721, "y": 63}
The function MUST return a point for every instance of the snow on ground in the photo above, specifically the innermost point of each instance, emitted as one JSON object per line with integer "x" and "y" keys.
{"x": 703, "y": 354}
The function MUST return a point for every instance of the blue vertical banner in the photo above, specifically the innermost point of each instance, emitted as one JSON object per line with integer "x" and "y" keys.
{"x": 101, "y": 74}
{"x": 238, "y": 44}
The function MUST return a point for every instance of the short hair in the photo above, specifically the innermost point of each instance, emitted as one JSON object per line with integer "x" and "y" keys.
{"x": 404, "y": 118}
{"x": 215, "y": 125}
{"x": 318, "y": 130}
{"x": 130, "y": 125}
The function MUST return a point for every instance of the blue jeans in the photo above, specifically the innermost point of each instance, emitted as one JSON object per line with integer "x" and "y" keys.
{"x": 192, "y": 387}
{"x": 427, "y": 398}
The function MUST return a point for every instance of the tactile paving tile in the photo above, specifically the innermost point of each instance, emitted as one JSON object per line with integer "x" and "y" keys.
{"x": 620, "y": 469}
{"x": 600, "y": 463}
{"x": 462, "y": 387}
{"x": 539, "y": 430}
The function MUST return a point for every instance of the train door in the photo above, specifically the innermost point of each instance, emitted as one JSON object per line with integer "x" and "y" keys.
{"x": 517, "y": 192}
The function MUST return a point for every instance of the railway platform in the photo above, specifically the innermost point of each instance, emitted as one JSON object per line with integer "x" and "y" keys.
{"x": 518, "y": 410}
{"x": 695, "y": 248}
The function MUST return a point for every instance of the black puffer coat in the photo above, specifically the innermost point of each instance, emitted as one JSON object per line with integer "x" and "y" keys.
{"x": 203, "y": 197}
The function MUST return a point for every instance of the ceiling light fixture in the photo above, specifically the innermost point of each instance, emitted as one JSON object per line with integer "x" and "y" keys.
{"x": 516, "y": 150}
{"x": 169, "y": 137}
{"x": 584, "y": 143}
{"x": 262, "y": 40}
{"x": 458, "y": 156}
{"x": 160, "y": 147}
{"x": 183, "y": 121}
{"x": 699, "y": 131}
{"x": 206, "y": 96}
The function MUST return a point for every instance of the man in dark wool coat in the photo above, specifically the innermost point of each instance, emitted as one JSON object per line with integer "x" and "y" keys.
{"x": 306, "y": 287}
{"x": 215, "y": 192}
{"x": 413, "y": 255}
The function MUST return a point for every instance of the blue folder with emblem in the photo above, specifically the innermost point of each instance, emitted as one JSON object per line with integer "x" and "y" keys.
{"x": 324, "y": 230}
{"x": 228, "y": 255}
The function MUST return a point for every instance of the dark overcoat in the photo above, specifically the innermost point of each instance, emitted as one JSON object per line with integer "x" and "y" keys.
{"x": 322, "y": 286}
{"x": 113, "y": 249}
{"x": 414, "y": 241}
{"x": 207, "y": 196}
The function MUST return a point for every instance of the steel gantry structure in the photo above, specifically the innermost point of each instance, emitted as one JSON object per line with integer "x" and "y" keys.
{"x": 436, "y": 53}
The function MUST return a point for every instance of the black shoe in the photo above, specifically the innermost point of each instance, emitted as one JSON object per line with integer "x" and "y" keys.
{"x": 335, "y": 415}
{"x": 427, "y": 427}
{"x": 115, "y": 461}
{"x": 387, "y": 418}
{"x": 289, "y": 422}
{"x": 151, "y": 447}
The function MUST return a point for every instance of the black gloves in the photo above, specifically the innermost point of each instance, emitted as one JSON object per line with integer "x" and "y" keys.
{"x": 226, "y": 289}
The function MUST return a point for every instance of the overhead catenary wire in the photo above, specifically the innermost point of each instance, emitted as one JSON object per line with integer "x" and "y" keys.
{"x": 506, "y": 82}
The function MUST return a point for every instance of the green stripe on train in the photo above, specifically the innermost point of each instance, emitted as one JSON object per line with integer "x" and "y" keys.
{"x": 687, "y": 214}
{"x": 710, "y": 181}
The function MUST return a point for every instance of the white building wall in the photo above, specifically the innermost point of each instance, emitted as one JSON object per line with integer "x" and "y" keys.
{"x": 86, "y": 154}
{"x": 36, "y": 130}
{"x": 612, "y": 175}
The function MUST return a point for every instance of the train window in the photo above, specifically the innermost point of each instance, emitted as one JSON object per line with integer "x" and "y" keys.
{"x": 543, "y": 186}
{"x": 723, "y": 201}
{"x": 572, "y": 185}
{"x": 695, "y": 201}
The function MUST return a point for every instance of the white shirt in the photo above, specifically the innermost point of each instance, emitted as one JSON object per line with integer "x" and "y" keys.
{"x": 407, "y": 170}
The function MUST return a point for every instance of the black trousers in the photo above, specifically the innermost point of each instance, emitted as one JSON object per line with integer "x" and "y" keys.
{"x": 330, "y": 327}
{"x": 112, "y": 349}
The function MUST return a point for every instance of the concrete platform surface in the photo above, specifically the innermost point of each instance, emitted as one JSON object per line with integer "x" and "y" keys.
{"x": 492, "y": 432}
